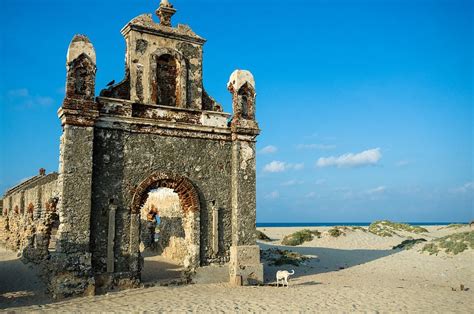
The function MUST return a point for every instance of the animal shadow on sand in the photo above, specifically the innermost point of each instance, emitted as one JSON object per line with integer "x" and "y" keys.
{"x": 320, "y": 260}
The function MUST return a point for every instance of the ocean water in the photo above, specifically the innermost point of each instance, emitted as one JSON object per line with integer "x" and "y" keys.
{"x": 330, "y": 224}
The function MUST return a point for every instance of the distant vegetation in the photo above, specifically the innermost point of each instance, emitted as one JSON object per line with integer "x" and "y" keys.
{"x": 337, "y": 231}
{"x": 355, "y": 228}
{"x": 385, "y": 228}
{"x": 262, "y": 236}
{"x": 277, "y": 257}
{"x": 300, "y": 237}
{"x": 456, "y": 226}
{"x": 408, "y": 244}
{"x": 452, "y": 244}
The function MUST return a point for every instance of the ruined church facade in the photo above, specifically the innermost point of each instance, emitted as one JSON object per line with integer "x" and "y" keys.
{"x": 157, "y": 128}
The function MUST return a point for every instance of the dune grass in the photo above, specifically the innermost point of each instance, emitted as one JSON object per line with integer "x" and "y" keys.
{"x": 337, "y": 231}
{"x": 451, "y": 244}
{"x": 300, "y": 237}
{"x": 356, "y": 228}
{"x": 456, "y": 226}
{"x": 408, "y": 244}
{"x": 262, "y": 236}
{"x": 277, "y": 257}
{"x": 386, "y": 228}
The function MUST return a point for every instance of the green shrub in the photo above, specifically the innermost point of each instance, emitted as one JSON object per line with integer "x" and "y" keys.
{"x": 456, "y": 226}
{"x": 336, "y": 232}
{"x": 355, "y": 228}
{"x": 408, "y": 244}
{"x": 316, "y": 233}
{"x": 262, "y": 236}
{"x": 277, "y": 257}
{"x": 299, "y": 237}
{"x": 430, "y": 248}
{"x": 385, "y": 228}
{"x": 452, "y": 244}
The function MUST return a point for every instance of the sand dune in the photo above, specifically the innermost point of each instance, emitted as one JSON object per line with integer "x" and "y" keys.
{"x": 356, "y": 272}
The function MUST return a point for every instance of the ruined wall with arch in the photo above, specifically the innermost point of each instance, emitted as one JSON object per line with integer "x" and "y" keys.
{"x": 158, "y": 127}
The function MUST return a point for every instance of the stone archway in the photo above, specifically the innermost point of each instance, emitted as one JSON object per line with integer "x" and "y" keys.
{"x": 190, "y": 206}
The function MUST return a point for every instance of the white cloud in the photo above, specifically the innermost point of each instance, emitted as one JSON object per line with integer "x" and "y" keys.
{"x": 270, "y": 149}
{"x": 22, "y": 97}
{"x": 466, "y": 188}
{"x": 402, "y": 163}
{"x": 316, "y": 146}
{"x": 365, "y": 158}
{"x": 296, "y": 166}
{"x": 21, "y": 92}
{"x": 378, "y": 190}
{"x": 310, "y": 195}
{"x": 292, "y": 182}
{"x": 280, "y": 166}
{"x": 275, "y": 166}
{"x": 272, "y": 195}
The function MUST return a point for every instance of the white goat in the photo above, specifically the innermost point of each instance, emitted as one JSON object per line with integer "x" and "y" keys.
{"x": 283, "y": 276}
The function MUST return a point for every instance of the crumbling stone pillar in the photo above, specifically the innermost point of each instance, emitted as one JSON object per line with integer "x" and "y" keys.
{"x": 245, "y": 267}
{"x": 73, "y": 275}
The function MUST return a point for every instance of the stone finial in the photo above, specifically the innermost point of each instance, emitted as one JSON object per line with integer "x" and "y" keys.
{"x": 242, "y": 86}
{"x": 165, "y": 12}
{"x": 80, "y": 44}
{"x": 81, "y": 69}
{"x": 238, "y": 78}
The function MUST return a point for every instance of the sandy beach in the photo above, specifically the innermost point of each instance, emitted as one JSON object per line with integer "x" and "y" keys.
{"x": 358, "y": 271}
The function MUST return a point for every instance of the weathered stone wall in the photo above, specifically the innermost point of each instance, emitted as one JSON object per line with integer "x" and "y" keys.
{"x": 123, "y": 160}
{"x": 21, "y": 229}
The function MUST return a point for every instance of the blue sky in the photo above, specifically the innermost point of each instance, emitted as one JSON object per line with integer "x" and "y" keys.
{"x": 366, "y": 107}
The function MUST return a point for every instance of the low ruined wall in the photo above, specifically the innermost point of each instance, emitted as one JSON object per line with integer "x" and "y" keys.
{"x": 28, "y": 213}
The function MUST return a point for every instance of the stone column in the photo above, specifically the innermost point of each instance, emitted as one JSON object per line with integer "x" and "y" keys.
{"x": 111, "y": 239}
{"x": 215, "y": 230}
{"x": 77, "y": 114}
{"x": 245, "y": 267}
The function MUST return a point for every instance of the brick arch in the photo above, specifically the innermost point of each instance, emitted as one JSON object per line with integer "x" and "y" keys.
{"x": 186, "y": 191}
{"x": 189, "y": 201}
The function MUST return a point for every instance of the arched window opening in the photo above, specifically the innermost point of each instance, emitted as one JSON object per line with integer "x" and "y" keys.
{"x": 167, "y": 80}
{"x": 245, "y": 100}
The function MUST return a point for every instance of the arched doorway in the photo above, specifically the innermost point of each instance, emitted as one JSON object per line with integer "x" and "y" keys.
{"x": 162, "y": 238}
{"x": 180, "y": 232}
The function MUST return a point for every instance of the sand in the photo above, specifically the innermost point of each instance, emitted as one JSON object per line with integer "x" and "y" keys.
{"x": 357, "y": 272}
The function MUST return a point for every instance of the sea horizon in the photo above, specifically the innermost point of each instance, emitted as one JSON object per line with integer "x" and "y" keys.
{"x": 330, "y": 224}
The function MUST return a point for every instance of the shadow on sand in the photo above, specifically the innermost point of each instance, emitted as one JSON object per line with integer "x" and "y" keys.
{"x": 158, "y": 269}
{"x": 322, "y": 260}
{"x": 20, "y": 284}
